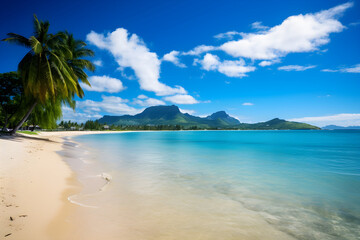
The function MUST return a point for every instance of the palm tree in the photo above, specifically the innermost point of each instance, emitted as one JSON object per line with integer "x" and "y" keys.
{"x": 76, "y": 62}
{"x": 48, "y": 70}
{"x": 78, "y": 53}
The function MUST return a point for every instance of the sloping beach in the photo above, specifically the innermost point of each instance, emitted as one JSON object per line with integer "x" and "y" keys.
{"x": 34, "y": 186}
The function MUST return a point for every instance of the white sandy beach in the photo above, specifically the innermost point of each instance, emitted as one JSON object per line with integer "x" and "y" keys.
{"x": 34, "y": 185}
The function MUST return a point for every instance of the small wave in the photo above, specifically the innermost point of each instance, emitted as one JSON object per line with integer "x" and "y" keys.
{"x": 86, "y": 161}
{"x": 80, "y": 204}
{"x": 344, "y": 173}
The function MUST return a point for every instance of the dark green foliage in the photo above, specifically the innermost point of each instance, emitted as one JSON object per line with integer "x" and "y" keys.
{"x": 68, "y": 125}
{"x": 11, "y": 91}
{"x": 93, "y": 125}
{"x": 46, "y": 115}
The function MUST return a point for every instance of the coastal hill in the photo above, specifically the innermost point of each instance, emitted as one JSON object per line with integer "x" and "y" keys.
{"x": 171, "y": 115}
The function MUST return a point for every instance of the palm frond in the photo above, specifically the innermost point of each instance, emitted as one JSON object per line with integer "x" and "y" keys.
{"x": 36, "y": 45}
{"x": 37, "y": 26}
{"x": 17, "y": 39}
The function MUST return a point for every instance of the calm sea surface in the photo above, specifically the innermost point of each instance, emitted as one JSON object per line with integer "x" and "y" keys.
{"x": 228, "y": 184}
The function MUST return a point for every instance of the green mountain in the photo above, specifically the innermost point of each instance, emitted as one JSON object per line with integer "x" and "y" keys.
{"x": 171, "y": 115}
{"x": 223, "y": 118}
{"x": 279, "y": 124}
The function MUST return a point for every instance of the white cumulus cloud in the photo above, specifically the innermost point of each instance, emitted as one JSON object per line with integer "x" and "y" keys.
{"x": 231, "y": 68}
{"x": 181, "y": 99}
{"x": 130, "y": 51}
{"x": 145, "y": 101}
{"x": 189, "y": 111}
{"x": 103, "y": 84}
{"x": 70, "y": 115}
{"x": 109, "y": 104}
{"x": 300, "y": 33}
{"x": 173, "y": 57}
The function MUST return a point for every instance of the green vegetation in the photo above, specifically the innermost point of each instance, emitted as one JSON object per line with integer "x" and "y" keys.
{"x": 29, "y": 132}
{"x": 48, "y": 77}
{"x": 170, "y": 116}
{"x": 11, "y": 90}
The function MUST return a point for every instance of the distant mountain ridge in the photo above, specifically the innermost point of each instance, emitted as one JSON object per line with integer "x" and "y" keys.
{"x": 223, "y": 116}
{"x": 335, "y": 127}
{"x": 171, "y": 115}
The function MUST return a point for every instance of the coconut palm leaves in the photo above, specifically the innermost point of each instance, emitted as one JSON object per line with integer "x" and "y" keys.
{"x": 54, "y": 66}
{"x": 77, "y": 62}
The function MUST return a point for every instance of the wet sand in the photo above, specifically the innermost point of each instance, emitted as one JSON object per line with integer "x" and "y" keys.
{"x": 34, "y": 186}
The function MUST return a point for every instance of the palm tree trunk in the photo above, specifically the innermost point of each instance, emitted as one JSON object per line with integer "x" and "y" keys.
{"x": 6, "y": 122}
{"x": 24, "y": 118}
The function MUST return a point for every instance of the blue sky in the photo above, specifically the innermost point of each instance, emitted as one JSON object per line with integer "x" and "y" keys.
{"x": 296, "y": 60}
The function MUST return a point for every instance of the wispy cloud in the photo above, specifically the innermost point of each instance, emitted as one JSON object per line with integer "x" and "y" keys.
{"x": 199, "y": 50}
{"x": 98, "y": 63}
{"x": 228, "y": 35}
{"x": 259, "y": 26}
{"x": 247, "y": 104}
{"x": 295, "y": 68}
{"x": 325, "y": 96}
{"x": 353, "y": 24}
{"x": 266, "y": 63}
{"x": 104, "y": 84}
{"x": 343, "y": 119}
{"x": 353, "y": 69}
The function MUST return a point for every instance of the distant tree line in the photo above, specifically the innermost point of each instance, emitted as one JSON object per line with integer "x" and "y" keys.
{"x": 96, "y": 125}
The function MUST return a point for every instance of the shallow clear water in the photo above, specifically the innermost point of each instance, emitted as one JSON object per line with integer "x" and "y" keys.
{"x": 305, "y": 184}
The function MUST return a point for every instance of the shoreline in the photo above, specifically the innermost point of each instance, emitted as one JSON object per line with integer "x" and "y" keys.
{"x": 31, "y": 169}
{"x": 37, "y": 182}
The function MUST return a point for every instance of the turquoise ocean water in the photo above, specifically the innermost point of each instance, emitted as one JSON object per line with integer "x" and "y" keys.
{"x": 305, "y": 184}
